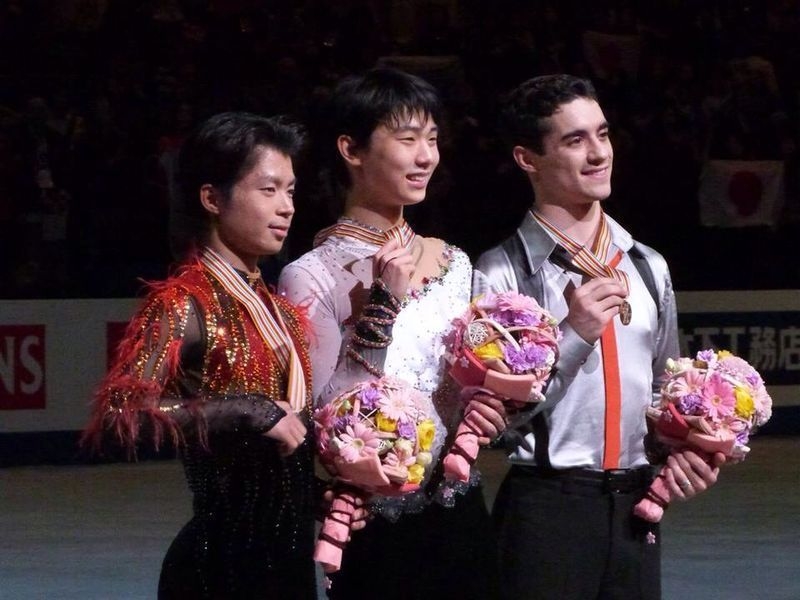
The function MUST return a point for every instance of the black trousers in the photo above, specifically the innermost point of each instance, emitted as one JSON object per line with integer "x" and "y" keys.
{"x": 574, "y": 536}
{"x": 437, "y": 554}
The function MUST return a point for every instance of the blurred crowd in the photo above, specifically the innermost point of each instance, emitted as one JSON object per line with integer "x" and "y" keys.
{"x": 96, "y": 96}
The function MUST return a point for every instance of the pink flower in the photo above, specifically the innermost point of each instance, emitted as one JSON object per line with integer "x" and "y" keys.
{"x": 324, "y": 417}
{"x": 398, "y": 405}
{"x": 718, "y": 398}
{"x": 689, "y": 382}
{"x": 323, "y": 441}
{"x": 763, "y": 404}
{"x": 737, "y": 367}
{"x": 358, "y": 440}
{"x": 514, "y": 302}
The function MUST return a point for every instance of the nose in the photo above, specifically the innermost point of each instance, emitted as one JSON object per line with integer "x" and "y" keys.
{"x": 599, "y": 151}
{"x": 427, "y": 153}
{"x": 286, "y": 206}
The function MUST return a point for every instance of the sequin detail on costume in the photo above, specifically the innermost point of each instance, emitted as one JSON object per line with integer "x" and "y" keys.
{"x": 193, "y": 370}
{"x": 428, "y": 282}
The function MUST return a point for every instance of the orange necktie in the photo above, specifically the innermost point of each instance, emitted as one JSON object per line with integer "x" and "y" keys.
{"x": 613, "y": 389}
{"x": 592, "y": 261}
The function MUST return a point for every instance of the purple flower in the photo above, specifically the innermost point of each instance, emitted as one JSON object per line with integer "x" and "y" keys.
{"x": 341, "y": 423}
{"x": 707, "y": 356}
{"x": 528, "y": 357}
{"x": 406, "y": 430}
{"x": 691, "y": 404}
{"x": 514, "y": 318}
{"x": 742, "y": 437}
{"x": 369, "y": 397}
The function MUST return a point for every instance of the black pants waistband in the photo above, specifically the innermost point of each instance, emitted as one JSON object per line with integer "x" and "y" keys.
{"x": 611, "y": 480}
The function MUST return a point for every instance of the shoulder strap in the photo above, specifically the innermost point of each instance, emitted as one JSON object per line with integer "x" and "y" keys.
{"x": 640, "y": 262}
{"x": 530, "y": 284}
{"x": 527, "y": 282}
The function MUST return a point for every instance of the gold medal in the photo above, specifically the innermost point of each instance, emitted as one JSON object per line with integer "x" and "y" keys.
{"x": 625, "y": 312}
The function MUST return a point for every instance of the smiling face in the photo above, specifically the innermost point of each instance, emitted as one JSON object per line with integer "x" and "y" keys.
{"x": 254, "y": 220}
{"x": 394, "y": 169}
{"x": 575, "y": 167}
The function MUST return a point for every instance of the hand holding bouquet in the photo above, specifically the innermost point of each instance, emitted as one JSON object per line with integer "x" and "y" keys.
{"x": 709, "y": 404}
{"x": 507, "y": 344}
{"x": 377, "y": 438}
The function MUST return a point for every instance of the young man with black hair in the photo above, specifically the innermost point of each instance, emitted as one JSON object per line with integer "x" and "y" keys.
{"x": 563, "y": 514}
{"x": 370, "y": 270}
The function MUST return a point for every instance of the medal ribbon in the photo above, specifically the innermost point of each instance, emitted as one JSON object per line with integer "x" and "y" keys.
{"x": 271, "y": 328}
{"x": 595, "y": 263}
{"x": 347, "y": 228}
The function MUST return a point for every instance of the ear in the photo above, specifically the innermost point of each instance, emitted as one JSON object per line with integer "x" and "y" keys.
{"x": 526, "y": 159}
{"x": 349, "y": 150}
{"x": 210, "y": 198}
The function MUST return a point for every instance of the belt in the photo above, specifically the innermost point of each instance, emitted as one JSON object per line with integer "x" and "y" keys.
{"x": 619, "y": 481}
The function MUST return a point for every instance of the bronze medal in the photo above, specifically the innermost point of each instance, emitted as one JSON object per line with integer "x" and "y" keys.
{"x": 625, "y": 312}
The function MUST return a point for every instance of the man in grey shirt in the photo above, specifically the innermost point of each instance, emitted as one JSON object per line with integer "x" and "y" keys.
{"x": 564, "y": 512}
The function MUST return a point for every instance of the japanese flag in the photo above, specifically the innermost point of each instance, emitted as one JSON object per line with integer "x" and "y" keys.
{"x": 738, "y": 193}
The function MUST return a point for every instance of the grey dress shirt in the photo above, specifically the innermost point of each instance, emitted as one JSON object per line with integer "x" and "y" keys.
{"x": 575, "y": 398}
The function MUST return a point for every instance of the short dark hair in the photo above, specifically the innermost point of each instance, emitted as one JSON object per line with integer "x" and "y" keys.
{"x": 523, "y": 117}
{"x": 362, "y": 103}
{"x": 220, "y": 151}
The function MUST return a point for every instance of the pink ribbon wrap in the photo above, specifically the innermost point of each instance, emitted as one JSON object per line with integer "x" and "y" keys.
{"x": 462, "y": 453}
{"x": 674, "y": 430}
{"x": 335, "y": 532}
{"x": 367, "y": 475}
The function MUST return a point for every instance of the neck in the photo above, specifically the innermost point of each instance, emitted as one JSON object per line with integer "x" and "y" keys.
{"x": 382, "y": 217}
{"x": 577, "y": 222}
{"x": 246, "y": 263}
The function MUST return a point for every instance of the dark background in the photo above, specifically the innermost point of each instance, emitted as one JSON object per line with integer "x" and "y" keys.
{"x": 95, "y": 97}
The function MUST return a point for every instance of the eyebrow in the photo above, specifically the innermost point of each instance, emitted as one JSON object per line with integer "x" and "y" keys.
{"x": 270, "y": 178}
{"x": 414, "y": 128}
{"x": 582, "y": 132}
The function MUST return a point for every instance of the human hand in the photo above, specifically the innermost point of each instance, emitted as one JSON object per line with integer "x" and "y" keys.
{"x": 289, "y": 432}
{"x": 688, "y": 473}
{"x": 395, "y": 266}
{"x": 486, "y": 414}
{"x": 593, "y": 305}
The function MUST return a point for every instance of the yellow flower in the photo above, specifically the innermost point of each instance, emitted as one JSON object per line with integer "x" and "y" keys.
{"x": 723, "y": 354}
{"x": 744, "y": 407}
{"x": 490, "y": 350}
{"x": 425, "y": 432}
{"x": 415, "y": 473}
{"x": 384, "y": 423}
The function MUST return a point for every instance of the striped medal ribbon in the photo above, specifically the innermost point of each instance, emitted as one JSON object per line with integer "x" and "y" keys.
{"x": 271, "y": 328}
{"x": 594, "y": 262}
{"x": 348, "y": 228}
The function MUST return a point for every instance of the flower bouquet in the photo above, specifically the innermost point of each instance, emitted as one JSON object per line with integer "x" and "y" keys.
{"x": 710, "y": 404}
{"x": 505, "y": 343}
{"x": 376, "y": 439}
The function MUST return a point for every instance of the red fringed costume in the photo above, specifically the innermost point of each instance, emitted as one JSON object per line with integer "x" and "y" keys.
{"x": 194, "y": 371}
